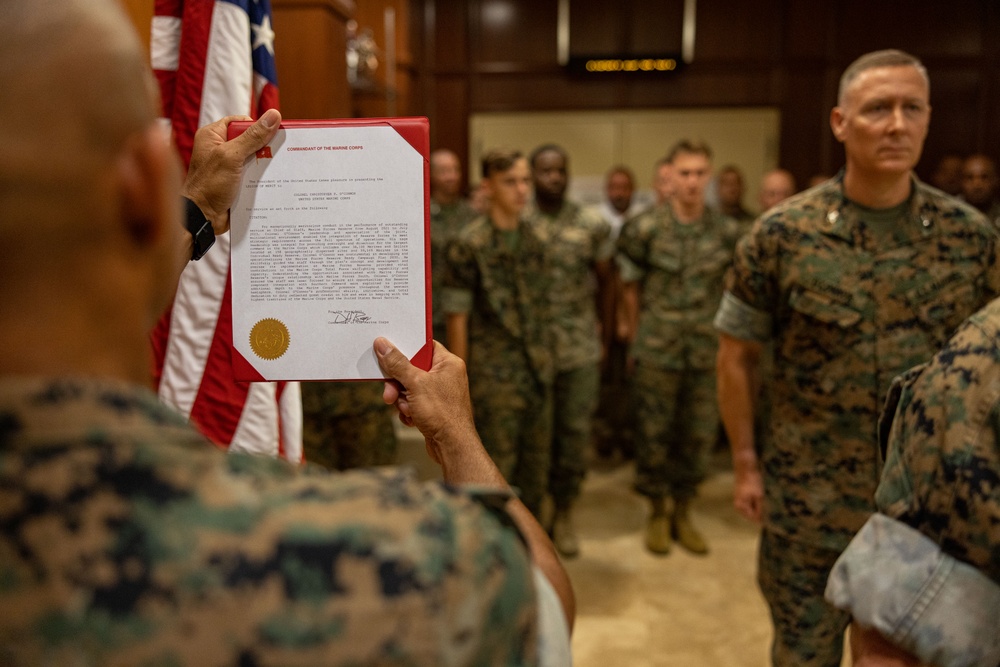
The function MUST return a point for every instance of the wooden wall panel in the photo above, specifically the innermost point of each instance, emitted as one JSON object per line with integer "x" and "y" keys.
{"x": 655, "y": 28}
{"x": 738, "y": 31}
{"x": 931, "y": 29}
{"x": 141, "y": 14}
{"x": 450, "y": 115}
{"x": 309, "y": 50}
{"x": 514, "y": 32}
{"x": 448, "y": 34}
{"x": 784, "y": 54}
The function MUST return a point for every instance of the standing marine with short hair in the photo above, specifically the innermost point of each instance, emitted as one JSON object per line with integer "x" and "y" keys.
{"x": 579, "y": 245}
{"x": 672, "y": 260}
{"x": 854, "y": 281}
{"x": 496, "y": 300}
{"x": 450, "y": 211}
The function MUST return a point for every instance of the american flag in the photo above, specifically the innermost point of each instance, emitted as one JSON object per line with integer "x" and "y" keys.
{"x": 215, "y": 58}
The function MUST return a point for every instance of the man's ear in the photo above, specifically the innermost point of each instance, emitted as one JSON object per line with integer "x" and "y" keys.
{"x": 148, "y": 180}
{"x": 837, "y": 123}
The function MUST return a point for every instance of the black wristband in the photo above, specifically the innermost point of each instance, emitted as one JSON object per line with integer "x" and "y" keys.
{"x": 202, "y": 233}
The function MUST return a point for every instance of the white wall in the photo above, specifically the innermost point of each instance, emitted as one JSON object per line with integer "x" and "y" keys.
{"x": 596, "y": 140}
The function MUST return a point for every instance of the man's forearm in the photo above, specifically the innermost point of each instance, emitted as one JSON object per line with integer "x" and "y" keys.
{"x": 457, "y": 331}
{"x": 738, "y": 381}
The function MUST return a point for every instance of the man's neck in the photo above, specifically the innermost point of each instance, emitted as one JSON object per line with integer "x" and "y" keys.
{"x": 685, "y": 213}
{"x": 549, "y": 206}
{"x": 876, "y": 191}
{"x": 503, "y": 219}
{"x": 445, "y": 200}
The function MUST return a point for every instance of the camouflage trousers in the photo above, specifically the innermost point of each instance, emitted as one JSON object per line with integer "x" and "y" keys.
{"x": 346, "y": 425}
{"x": 677, "y": 422}
{"x": 574, "y": 399}
{"x": 792, "y": 575}
{"x": 513, "y": 413}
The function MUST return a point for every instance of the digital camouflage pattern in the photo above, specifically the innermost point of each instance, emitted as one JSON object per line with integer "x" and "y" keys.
{"x": 792, "y": 577}
{"x": 574, "y": 399}
{"x": 680, "y": 269}
{"x": 446, "y": 221}
{"x": 127, "y": 539}
{"x": 925, "y": 570}
{"x": 346, "y": 425}
{"x": 502, "y": 285}
{"x": 677, "y": 422}
{"x": 577, "y": 241}
{"x": 847, "y": 312}
{"x": 941, "y": 428}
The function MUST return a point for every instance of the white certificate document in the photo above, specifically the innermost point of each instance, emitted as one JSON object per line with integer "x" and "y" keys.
{"x": 329, "y": 250}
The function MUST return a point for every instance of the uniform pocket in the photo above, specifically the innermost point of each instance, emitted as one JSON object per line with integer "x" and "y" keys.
{"x": 823, "y": 308}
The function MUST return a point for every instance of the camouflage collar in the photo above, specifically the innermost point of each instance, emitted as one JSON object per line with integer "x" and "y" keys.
{"x": 840, "y": 221}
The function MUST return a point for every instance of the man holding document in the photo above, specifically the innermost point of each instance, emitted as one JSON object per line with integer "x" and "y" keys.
{"x": 125, "y": 537}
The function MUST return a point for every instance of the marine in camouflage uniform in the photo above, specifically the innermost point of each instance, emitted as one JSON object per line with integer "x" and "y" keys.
{"x": 127, "y": 539}
{"x": 579, "y": 246}
{"x": 449, "y": 213}
{"x": 925, "y": 571}
{"x": 850, "y": 300}
{"x": 576, "y": 240}
{"x": 854, "y": 282}
{"x": 346, "y": 425}
{"x": 679, "y": 270}
{"x": 496, "y": 283}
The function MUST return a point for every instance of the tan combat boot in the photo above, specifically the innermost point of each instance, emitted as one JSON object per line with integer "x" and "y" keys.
{"x": 658, "y": 528}
{"x": 563, "y": 533}
{"x": 684, "y": 531}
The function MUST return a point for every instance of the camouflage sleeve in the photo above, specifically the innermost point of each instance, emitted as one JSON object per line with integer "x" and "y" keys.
{"x": 460, "y": 278}
{"x": 749, "y": 302}
{"x": 942, "y": 447}
{"x": 632, "y": 248}
{"x": 992, "y": 287}
{"x": 753, "y": 277}
{"x": 604, "y": 245}
{"x": 895, "y": 579}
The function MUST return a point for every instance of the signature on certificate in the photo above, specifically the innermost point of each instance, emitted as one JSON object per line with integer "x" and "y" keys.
{"x": 349, "y": 317}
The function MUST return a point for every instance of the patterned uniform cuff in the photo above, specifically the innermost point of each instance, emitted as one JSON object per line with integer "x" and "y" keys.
{"x": 741, "y": 320}
{"x": 605, "y": 250}
{"x": 896, "y": 580}
{"x": 628, "y": 269}
{"x": 553, "y": 630}
{"x": 456, "y": 300}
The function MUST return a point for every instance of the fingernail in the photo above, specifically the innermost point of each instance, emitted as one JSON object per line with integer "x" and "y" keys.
{"x": 382, "y": 347}
{"x": 269, "y": 118}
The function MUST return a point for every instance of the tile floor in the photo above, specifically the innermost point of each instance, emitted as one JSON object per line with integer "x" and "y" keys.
{"x": 641, "y": 610}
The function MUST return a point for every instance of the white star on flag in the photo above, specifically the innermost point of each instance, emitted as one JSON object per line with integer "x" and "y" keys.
{"x": 263, "y": 35}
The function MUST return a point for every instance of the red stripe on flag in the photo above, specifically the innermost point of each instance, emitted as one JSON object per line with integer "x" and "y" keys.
{"x": 167, "y": 81}
{"x": 220, "y": 400}
{"x": 197, "y": 25}
{"x": 168, "y": 8}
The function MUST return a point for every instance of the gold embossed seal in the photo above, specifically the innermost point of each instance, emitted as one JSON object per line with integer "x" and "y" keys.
{"x": 269, "y": 338}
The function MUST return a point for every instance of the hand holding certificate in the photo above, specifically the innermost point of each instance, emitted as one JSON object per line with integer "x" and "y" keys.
{"x": 329, "y": 250}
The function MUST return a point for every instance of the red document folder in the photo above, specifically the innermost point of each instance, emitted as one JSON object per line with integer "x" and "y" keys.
{"x": 275, "y": 353}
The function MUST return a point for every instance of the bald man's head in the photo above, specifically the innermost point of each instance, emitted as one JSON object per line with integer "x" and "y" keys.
{"x": 776, "y": 186}
{"x": 77, "y": 88}
{"x": 89, "y": 191}
{"x": 446, "y": 176}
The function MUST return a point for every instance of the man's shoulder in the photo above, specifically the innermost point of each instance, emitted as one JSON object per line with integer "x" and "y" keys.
{"x": 803, "y": 212}
{"x": 370, "y": 545}
{"x": 947, "y": 208}
{"x": 479, "y": 231}
{"x": 588, "y": 218}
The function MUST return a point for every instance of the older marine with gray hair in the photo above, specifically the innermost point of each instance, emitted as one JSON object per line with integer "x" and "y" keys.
{"x": 854, "y": 281}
